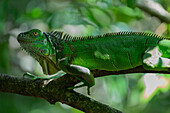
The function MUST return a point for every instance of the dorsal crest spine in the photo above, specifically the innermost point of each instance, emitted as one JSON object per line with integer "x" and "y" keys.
{"x": 67, "y": 37}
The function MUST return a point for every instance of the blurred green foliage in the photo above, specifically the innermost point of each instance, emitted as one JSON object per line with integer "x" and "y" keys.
{"x": 78, "y": 17}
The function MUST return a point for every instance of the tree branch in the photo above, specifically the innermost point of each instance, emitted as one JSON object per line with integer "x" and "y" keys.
{"x": 139, "y": 69}
{"x": 53, "y": 91}
{"x": 154, "y": 9}
{"x": 56, "y": 90}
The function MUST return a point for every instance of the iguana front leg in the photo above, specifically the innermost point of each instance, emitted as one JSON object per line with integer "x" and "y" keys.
{"x": 153, "y": 60}
{"x": 54, "y": 76}
{"x": 77, "y": 71}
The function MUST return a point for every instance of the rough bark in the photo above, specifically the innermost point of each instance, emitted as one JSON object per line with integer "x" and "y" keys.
{"x": 53, "y": 91}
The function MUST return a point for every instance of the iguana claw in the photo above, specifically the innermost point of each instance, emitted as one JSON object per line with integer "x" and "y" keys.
{"x": 84, "y": 84}
{"x": 34, "y": 77}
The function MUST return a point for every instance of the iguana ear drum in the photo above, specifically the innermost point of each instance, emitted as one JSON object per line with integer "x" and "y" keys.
{"x": 45, "y": 52}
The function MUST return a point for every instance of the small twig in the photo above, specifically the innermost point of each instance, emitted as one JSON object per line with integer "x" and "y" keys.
{"x": 155, "y": 9}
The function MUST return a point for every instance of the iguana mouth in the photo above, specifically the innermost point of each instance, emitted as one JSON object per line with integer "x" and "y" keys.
{"x": 21, "y": 39}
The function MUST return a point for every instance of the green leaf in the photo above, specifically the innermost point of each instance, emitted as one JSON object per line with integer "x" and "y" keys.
{"x": 36, "y": 12}
{"x": 126, "y": 14}
{"x": 131, "y": 3}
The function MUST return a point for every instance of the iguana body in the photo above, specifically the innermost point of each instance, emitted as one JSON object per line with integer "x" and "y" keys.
{"x": 111, "y": 52}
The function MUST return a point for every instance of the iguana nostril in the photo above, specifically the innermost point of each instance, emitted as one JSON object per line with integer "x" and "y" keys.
{"x": 20, "y": 35}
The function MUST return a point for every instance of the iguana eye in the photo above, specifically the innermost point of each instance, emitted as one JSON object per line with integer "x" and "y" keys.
{"x": 35, "y": 33}
{"x": 45, "y": 52}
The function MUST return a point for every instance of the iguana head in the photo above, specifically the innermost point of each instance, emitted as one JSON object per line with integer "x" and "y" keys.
{"x": 37, "y": 45}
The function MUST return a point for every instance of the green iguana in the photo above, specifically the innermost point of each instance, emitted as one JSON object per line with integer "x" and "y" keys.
{"x": 76, "y": 56}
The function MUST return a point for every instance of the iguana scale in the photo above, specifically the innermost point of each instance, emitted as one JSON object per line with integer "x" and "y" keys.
{"x": 76, "y": 56}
